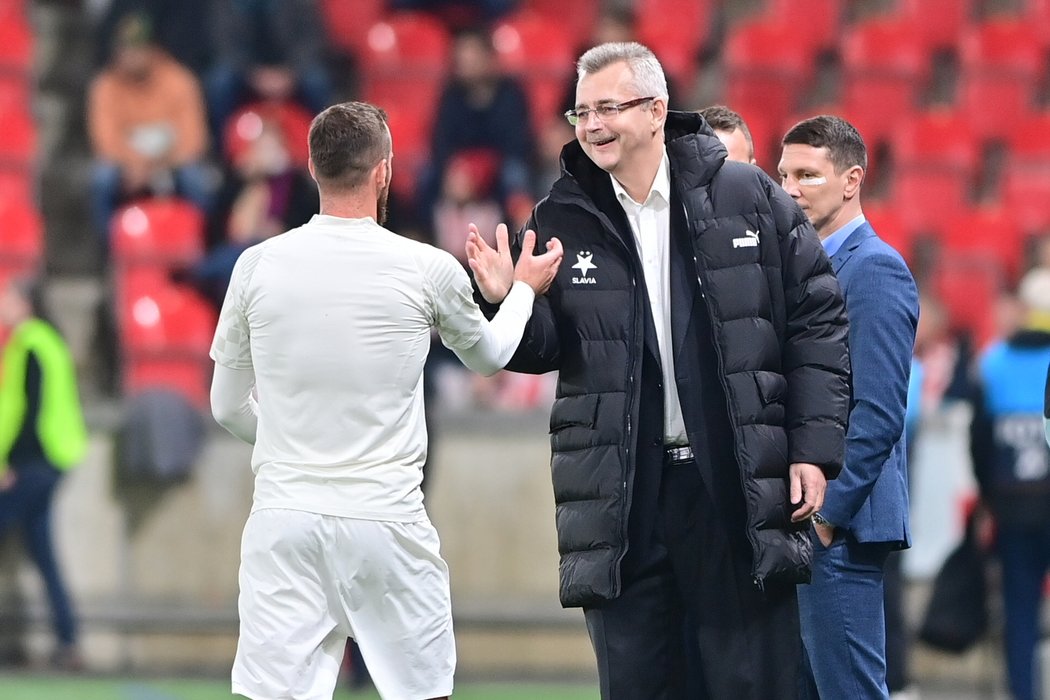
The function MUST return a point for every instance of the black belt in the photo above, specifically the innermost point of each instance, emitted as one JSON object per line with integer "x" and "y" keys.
{"x": 678, "y": 454}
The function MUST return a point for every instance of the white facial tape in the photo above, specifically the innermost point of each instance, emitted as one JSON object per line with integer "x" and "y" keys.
{"x": 813, "y": 181}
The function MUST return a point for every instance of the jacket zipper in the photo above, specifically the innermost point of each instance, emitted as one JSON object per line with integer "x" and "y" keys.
{"x": 758, "y": 581}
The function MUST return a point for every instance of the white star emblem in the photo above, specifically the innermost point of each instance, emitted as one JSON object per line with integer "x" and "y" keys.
{"x": 583, "y": 262}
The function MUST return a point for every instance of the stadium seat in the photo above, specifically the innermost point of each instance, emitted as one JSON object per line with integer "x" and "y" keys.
{"x": 406, "y": 42}
{"x": 578, "y": 22}
{"x": 941, "y": 21}
{"x": 21, "y": 231}
{"x": 970, "y": 287}
{"x": 347, "y": 21}
{"x": 541, "y": 55}
{"x": 987, "y": 231}
{"x": 676, "y": 31}
{"x": 935, "y": 158}
{"x": 187, "y": 376}
{"x": 17, "y": 139}
{"x": 1000, "y": 63}
{"x": 888, "y": 224}
{"x": 247, "y": 122}
{"x": 884, "y": 66}
{"x": 766, "y": 68}
{"x": 1026, "y": 174}
{"x": 16, "y": 39}
{"x": 410, "y": 131}
{"x": 160, "y": 231}
{"x": 162, "y": 318}
{"x": 818, "y": 23}
{"x": 1037, "y": 15}
{"x": 404, "y": 61}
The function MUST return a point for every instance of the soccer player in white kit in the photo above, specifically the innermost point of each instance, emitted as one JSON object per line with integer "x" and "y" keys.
{"x": 319, "y": 357}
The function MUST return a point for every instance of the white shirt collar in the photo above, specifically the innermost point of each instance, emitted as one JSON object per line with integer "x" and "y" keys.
{"x": 661, "y": 185}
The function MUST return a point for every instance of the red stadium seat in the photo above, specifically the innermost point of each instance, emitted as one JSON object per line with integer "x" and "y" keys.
{"x": 675, "y": 30}
{"x": 941, "y": 21}
{"x": 247, "y": 123}
{"x": 885, "y": 65}
{"x": 1037, "y": 15}
{"x": 187, "y": 376}
{"x": 1026, "y": 174}
{"x": 404, "y": 61}
{"x": 21, "y": 231}
{"x": 162, "y": 318}
{"x": 987, "y": 231}
{"x": 1001, "y": 59}
{"x": 410, "y": 131}
{"x": 406, "y": 41}
{"x": 887, "y": 222}
{"x": 164, "y": 231}
{"x": 347, "y": 21}
{"x": 578, "y": 22}
{"x": 817, "y": 22}
{"x": 970, "y": 287}
{"x": 16, "y": 39}
{"x": 766, "y": 68}
{"x": 936, "y": 156}
{"x": 541, "y": 55}
{"x": 17, "y": 138}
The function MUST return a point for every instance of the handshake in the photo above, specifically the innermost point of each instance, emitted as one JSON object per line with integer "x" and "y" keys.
{"x": 495, "y": 271}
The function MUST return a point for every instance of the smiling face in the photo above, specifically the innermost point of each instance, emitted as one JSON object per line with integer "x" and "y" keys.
{"x": 829, "y": 198}
{"x": 631, "y": 139}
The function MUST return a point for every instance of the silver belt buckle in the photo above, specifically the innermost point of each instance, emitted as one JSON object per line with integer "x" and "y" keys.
{"x": 681, "y": 453}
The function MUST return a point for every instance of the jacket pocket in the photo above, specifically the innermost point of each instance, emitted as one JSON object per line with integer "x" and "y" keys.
{"x": 574, "y": 412}
{"x": 771, "y": 387}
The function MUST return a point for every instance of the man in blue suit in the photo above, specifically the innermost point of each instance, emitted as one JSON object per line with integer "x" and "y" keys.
{"x": 865, "y": 511}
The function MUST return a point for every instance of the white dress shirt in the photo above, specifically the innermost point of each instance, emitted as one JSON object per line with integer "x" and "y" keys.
{"x": 651, "y": 224}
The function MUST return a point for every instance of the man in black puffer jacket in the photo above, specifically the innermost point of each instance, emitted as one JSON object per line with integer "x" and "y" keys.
{"x": 699, "y": 275}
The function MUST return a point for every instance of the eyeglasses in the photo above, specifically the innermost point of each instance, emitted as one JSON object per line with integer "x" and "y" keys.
{"x": 603, "y": 112}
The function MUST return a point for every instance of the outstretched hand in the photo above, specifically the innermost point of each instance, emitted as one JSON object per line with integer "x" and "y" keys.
{"x": 538, "y": 271}
{"x": 495, "y": 271}
{"x": 493, "y": 267}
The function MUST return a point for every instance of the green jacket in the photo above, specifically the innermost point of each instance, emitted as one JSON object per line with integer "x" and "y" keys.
{"x": 60, "y": 422}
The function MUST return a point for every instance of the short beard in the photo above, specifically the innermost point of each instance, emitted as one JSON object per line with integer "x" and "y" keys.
{"x": 381, "y": 205}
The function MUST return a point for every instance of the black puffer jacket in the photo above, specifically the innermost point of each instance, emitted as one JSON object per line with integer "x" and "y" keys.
{"x": 780, "y": 332}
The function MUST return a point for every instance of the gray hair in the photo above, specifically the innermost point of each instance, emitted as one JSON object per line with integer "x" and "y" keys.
{"x": 648, "y": 77}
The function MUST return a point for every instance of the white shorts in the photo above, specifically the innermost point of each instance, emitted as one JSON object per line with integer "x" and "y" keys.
{"x": 310, "y": 581}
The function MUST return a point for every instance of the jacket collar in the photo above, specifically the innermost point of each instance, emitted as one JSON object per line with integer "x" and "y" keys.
{"x": 845, "y": 251}
{"x": 695, "y": 154}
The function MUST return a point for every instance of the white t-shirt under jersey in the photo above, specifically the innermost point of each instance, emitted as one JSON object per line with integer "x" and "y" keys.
{"x": 334, "y": 318}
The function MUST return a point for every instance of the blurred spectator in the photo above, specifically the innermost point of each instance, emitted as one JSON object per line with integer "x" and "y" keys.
{"x": 42, "y": 435}
{"x": 467, "y": 198}
{"x": 732, "y": 131}
{"x": 1012, "y": 465}
{"x": 459, "y": 13}
{"x": 269, "y": 50}
{"x": 481, "y": 108}
{"x": 178, "y": 28}
{"x": 147, "y": 126}
{"x": 264, "y": 194}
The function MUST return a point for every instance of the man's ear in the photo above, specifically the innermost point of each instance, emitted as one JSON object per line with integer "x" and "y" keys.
{"x": 381, "y": 174}
{"x": 310, "y": 167}
{"x": 854, "y": 179}
{"x": 659, "y": 112}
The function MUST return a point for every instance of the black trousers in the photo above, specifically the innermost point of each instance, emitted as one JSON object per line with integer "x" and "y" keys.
{"x": 689, "y": 623}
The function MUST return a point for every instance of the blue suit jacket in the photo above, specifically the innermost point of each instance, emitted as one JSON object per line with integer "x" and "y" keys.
{"x": 870, "y": 495}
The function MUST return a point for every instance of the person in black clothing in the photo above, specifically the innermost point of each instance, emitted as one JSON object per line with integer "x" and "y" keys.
{"x": 480, "y": 109}
{"x": 700, "y": 338}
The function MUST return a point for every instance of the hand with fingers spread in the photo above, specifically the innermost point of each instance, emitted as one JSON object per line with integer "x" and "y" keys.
{"x": 807, "y": 485}
{"x": 538, "y": 271}
{"x": 493, "y": 267}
